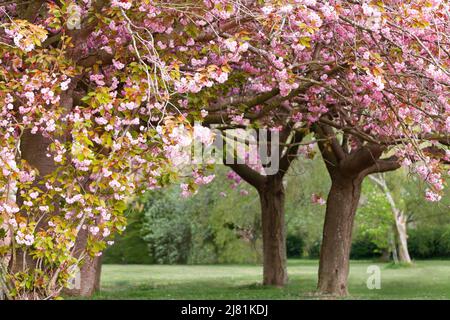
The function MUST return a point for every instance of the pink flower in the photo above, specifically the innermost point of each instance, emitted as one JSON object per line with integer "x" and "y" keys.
{"x": 203, "y": 134}
{"x": 114, "y": 184}
{"x": 220, "y": 77}
{"x": 317, "y": 199}
{"x": 65, "y": 84}
{"x": 208, "y": 179}
{"x": 185, "y": 192}
{"x": 432, "y": 196}
{"x": 94, "y": 230}
{"x": 118, "y": 65}
{"x": 98, "y": 79}
{"x": 34, "y": 195}
{"x": 101, "y": 120}
{"x": 231, "y": 44}
{"x": 124, "y": 4}
{"x": 106, "y": 232}
{"x": 199, "y": 63}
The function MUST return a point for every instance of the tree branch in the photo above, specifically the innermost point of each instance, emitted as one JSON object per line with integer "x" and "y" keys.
{"x": 291, "y": 153}
{"x": 383, "y": 165}
{"x": 365, "y": 157}
{"x": 250, "y": 176}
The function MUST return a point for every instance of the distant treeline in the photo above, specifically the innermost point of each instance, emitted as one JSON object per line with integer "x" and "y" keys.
{"x": 221, "y": 224}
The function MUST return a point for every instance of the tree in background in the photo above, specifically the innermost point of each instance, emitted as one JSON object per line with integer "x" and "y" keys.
{"x": 426, "y": 223}
{"x": 305, "y": 206}
{"x": 130, "y": 247}
{"x": 401, "y": 253}
{"x": 167, "y": 228}
{"x": 374, "y": 225}
{"x": 208, "y": 227}
{"x": 369, "y": 78}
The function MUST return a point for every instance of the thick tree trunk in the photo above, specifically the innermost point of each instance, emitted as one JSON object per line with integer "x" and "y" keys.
{"x": 33, "y": 149}
{"x": 87, "y": 281}
{"x": 90, "y": 277}
{"x": 347, "y": 165}
{"x": 342, "y": 203}
{"x": 274, "y": 233}
{"x": 402, "y": 238}
{"x": 98, "y": 274}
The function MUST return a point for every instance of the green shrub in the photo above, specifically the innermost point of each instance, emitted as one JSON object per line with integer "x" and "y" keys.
{"x": 429, "y": 242}
{"x": 314, "y": 250}
{"x": 363, "y": 247}
{"x": 167, "y": 228}
{"x": 294, "y": 246}
{"x": 202, "y": 229}
{"x": 130, "y": 247}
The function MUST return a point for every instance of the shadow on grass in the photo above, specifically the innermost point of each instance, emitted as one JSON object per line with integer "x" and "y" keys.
{"x": 204, "y": 290}
{"x": 423, "y": 280}
{"x": 399, "y": 265}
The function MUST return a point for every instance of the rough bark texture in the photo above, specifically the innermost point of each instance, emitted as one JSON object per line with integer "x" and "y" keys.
{"x": 272, "y": 196}
{"x": 89, "y": 275}
{"x": 347, "y": 166}
{"x": 33, "y": 149}
{"x": 89, "y": 279}
{"x": 342, "y": 203}
{"x": 274, "y": 232}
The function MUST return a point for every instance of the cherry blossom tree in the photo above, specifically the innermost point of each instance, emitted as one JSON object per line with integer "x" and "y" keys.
{"x": 370, "y": 79}
{"x": 85, "y": 123}
{"x": 98, "y": 101}
{"x": 271, "y": 191}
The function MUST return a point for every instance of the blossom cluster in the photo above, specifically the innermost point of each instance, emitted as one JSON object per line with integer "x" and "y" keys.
{"x": 91, "y": 116}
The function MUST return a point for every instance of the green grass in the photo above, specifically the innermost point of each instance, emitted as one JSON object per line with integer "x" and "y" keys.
{"x": 424, "y": 280}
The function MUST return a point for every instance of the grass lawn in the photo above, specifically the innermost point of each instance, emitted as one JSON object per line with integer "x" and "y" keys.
{"x": 424, "y": 280}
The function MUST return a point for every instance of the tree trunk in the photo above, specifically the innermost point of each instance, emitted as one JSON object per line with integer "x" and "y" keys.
{"x": 385, "y": 255}
{"x": 402, "y": 238}
{"x": 87, "y": 281}
{"x": 273, "y": 231}
{"x": 347, "y": 165}
{"x": 90, "y": 277}
{"x": 98, "y": 274}
{"x": 33, "y": 149}
{"x": 342, "y": 203}
{"x": 400, "y": 219}
{"x": 393, "y": 246}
